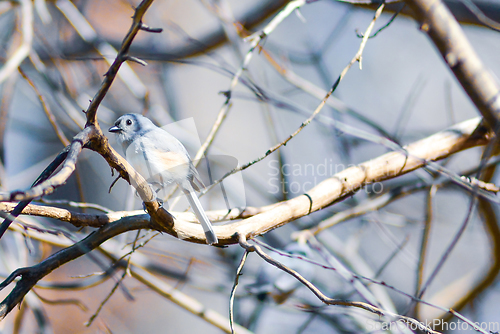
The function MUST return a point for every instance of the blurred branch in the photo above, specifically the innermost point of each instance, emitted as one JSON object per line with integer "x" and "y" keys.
{"x": 48, "y": 186}
{"x": 27, "y": 35}
{"x": 478, "y": 82}
{"x": 76, "y": 204}
{"x": 213, "y": 39}
{"x": 75, "y": 302}
{"x": 256, "y": 38}
{"x": 490, "y": 218}
{"x": 317, "y": 92}
{"x": 90, "y": 36}
{"x": 327, "y": 300}
{"x": 52, "y": 119}
{"x": 424, "y": 242}
{"x": 188, "y": 303}
{"x": 29, "y": 276}
{"x": 474, "y": 9}
{"x": 256, "y": 15}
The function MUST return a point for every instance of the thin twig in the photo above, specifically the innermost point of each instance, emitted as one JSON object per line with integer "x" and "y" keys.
{"x": 474, "y": 9}
{"x": 75, "y": 302}
{"x": 424, "y": 242}
{"x": 52, "y": 119}
{"x": 357, "y": 57}
{"x": 108, "y": 296}
{"x": 233, "y": 290}
{"x": 327, "y": 300}
{"x": 385, "y": 25}
{"x": 120, "y": 58}
{"x": 254, "y": 40}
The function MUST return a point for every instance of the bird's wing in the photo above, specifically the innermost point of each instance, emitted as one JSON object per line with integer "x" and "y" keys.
{"x": 165, "y": 150}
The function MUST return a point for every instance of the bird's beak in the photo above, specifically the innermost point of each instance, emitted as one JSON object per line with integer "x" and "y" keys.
{"x": 114, "y": 129}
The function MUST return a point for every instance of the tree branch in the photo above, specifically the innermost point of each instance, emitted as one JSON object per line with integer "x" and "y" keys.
{"x": 478, "y": 82}
{"x": 31, "y": 275}
{"x": 327, "y": 300}
{"x": 120, "y": 58}
{"x": 48, "y": 186}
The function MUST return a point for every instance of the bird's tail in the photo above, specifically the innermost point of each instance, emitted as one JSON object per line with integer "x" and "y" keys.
{"x": 201, "y": 215}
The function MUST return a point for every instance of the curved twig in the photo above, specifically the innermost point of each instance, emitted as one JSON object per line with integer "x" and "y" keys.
{"x": 327, "y": 300}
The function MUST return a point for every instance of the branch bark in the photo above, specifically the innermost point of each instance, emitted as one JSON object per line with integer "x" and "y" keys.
{"x": 443, "y": 29}
{"x": 31, "y": 275}
{"x": 438, "y": 146}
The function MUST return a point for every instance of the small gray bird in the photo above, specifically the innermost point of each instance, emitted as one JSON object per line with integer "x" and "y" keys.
{"x": 161, "y": 159}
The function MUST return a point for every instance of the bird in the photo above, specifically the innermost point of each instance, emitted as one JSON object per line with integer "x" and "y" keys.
{"x": 161, "y": 159}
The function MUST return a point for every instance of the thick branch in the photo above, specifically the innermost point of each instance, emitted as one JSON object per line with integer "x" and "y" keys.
{"x": 342, "y": 184}
{"x": 78, "y": 219}
{"x": 31, "y": 275}
{"x": 345, "y": 183}
{"x": 481, "y": 86}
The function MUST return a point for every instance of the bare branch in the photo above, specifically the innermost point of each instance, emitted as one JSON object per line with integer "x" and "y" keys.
{"x": 31, "y": 275}
{"x": 120, "y": 58}
{"x": 24, "y": 49}
{"x": 52, "y": 119}
{"x": 478, "y": 82}
{"x": 327, "y": 300}
{"x": 256, "y": 38}
{"x": 350, "y": 180}
{"x": 48, "y": 186}
{"x": 233, "y": 290}
{"x": 336, "y": 188}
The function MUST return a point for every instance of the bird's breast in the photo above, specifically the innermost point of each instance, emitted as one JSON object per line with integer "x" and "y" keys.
{"x": 153, "y": 162}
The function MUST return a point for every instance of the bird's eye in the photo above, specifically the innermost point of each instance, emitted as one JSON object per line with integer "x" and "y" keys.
{"x": 129, "y": 122}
